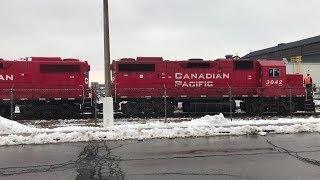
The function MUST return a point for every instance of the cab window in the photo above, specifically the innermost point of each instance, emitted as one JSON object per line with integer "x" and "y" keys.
{"x": 274, "y": 72}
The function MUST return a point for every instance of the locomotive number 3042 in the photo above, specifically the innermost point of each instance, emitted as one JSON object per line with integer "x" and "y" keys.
{"x": 272, "y": 82}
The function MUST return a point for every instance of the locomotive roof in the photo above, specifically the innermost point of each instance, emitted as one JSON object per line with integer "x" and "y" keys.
{"x": 262, "y": 62}
{"x": 42, "y": 59}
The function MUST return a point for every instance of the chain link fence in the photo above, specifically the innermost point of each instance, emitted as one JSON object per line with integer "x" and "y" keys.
{"x": 231, "y": 101}
{"x": 161, "y": 102}
{"x": 46, "y": 103}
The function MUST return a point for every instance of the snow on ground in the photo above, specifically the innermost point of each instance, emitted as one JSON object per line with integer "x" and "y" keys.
{"x": 11, "y": 127}
{"x": 13, "y": 133}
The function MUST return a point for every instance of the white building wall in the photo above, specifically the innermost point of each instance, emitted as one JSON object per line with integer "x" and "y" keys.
{"x": 314, "y": 69}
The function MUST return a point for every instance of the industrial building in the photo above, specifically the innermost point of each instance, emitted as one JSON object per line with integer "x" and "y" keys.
{"x": 302, "y": 56}
{"x": 99, "y": 89}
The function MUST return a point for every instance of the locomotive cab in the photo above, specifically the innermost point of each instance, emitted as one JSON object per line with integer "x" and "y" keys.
{"x": 278, "y": 92}
{"x": 273, "y": 78}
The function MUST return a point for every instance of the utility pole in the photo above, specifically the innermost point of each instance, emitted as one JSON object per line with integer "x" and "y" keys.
{"x": 108, "y": 116}
{"x": 106, "y": 48}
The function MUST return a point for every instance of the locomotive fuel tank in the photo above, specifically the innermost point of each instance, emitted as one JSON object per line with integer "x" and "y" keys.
{"x": 209, "y": 106}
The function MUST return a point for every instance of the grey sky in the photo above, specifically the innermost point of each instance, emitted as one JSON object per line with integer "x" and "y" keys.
{"x": 174, "y": 29}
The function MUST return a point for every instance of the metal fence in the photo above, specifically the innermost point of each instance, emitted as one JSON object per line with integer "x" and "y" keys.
{"x": 291, "y": 101}
{"x": 12, "y": 100}
{"x": 171, "y": 103}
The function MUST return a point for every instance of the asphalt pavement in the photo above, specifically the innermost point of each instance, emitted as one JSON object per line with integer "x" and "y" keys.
{"x": 277, "y": 157}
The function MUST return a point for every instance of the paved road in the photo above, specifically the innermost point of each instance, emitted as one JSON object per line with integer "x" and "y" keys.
{"x": 226, "y": 158}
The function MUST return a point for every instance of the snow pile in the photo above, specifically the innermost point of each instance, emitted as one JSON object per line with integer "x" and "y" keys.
{"x": 213, "y": 120}
{"x": 10, "y": 127}
{"x": 205, "y": 126}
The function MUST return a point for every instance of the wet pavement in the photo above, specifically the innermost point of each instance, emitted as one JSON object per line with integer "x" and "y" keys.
{"x": 226, "y": 158}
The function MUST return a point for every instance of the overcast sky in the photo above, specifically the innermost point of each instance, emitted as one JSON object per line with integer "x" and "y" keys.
{"x": 174, "y": 29}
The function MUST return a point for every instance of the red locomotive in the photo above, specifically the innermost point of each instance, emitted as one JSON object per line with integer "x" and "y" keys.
{"x": 144, "y": 85}
{"x": 44, "y": 87}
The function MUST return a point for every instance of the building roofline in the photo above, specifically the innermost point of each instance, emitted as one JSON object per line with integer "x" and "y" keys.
{"x": 284, "y": 46}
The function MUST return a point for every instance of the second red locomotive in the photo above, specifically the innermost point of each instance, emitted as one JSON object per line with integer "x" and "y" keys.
{"x": 144, "y": 85}
{"x": 44, "y": 87}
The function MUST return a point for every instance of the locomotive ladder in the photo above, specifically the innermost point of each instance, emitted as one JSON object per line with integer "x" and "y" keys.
{"x": 309, "y": 104}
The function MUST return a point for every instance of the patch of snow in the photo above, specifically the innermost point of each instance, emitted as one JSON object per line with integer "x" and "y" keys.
{"x": 206, "y": 126}
{"x": 11, "y": 127}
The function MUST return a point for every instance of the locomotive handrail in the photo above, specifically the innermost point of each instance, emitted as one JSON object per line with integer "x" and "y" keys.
{"x": 82, "y": 93}
{"x": 281, "y": 91}
{"x": 34, "y": 94}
